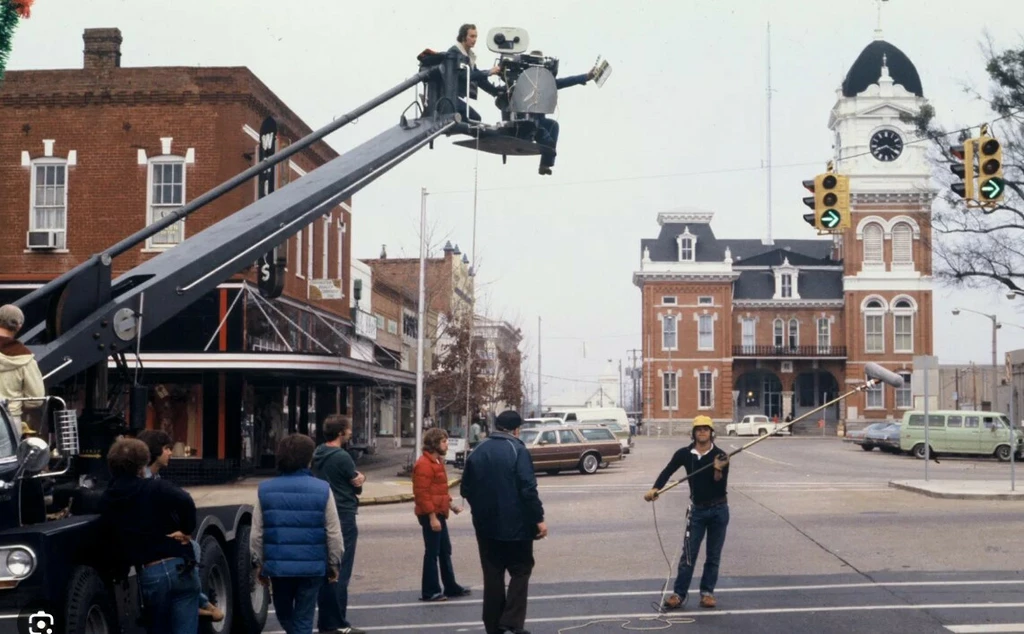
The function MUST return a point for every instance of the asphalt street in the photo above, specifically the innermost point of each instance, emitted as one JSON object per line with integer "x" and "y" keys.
{"x": 818, "y": 542}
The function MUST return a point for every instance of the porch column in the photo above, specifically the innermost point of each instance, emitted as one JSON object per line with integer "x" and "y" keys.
{"x": 787, "y": 404}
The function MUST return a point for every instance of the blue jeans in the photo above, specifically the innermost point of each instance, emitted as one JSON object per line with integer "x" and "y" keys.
{"x": 333, "y": 599}
{"x": 712, "y": 521}
{"x": 547, "y": 138}
{"x": 203, "y": 599}
{"x": 171, "y": 597}
{"x": 295, "y": 602}
{"x": 437, "y": 554}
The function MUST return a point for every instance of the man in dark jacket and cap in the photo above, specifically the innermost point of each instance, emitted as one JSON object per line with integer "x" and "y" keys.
{"x": 508, "y": 516}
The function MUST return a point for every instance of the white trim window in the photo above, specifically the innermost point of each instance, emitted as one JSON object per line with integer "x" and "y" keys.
{"x": 904, "y": 397}
{"x": 748, "y": 338}
{"x": 670, "y": 390}
{"x": 786, "y": 281}
{"x": 873, "y": 252}
{"x": 687, "y": 244}
{"x": 165, "y": 194}
{"x": 778, "y": 329}
{"x": 705, "y": 390}
{"x": 669, "y": 332}
{"x": 874, "y": 327}
{"x": 794, "y": 333}
{"x": 706, "y": 332}
{"x": 902, "y": 244}
{"x": 49, "y": 198}
{"x": 903, "y": 326}
{"x": 298, "y": 255}
{"x": 824, "y": 335}
{"x": 876, "y": 397}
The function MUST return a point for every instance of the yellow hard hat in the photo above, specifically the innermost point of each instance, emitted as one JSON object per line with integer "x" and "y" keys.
{"x": 703, "y": 421}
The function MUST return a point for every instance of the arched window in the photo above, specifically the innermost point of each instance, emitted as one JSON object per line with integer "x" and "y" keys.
{"x": 777, "y": 326}
{"x": 873, "y": 243}
{"x": 902, "y": 244}
{"x": 903, "y": 325}
{"x": 794, "y": 333}
{"x": 874, "y": 324}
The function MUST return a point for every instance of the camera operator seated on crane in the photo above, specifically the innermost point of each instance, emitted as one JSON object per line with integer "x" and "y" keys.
{"x": 464, "y": 43}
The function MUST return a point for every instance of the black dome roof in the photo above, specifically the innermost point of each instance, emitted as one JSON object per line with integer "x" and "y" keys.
{"x": 868, "y": 68}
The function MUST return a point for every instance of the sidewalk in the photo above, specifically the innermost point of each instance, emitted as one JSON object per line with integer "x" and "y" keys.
{"x": 963, "y": 489}
{"x": 383, "y": 483}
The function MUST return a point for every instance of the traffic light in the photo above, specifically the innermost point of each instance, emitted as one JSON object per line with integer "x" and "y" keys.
{"x": 963, "y": 170}
{"x": 991, "y": 184}
{"x": 811, "y": 218}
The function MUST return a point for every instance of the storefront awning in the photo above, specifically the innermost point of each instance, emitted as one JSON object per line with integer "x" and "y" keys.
{"x": 307, "y": 366}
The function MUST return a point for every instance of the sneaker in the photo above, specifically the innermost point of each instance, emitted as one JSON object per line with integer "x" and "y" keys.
{"x": 707, "y": 601}
{"x": 464, "y": 591}
{"x": 673, "y": 602}
{"x": 435, "y": 598}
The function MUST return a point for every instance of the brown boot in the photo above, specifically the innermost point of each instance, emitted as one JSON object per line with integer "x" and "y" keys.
{"x": 673, "y": 602}
{"x": 707, "y": 601}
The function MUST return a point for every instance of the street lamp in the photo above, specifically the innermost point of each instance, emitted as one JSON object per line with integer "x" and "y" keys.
{"x": 995, "y": 327}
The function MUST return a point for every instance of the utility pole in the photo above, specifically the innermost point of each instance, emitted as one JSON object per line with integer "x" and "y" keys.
{"x": 622, "y": 392}
{"x": 540, "y": 405}
{"x": 956, "y": 382}
{"x": 421, "y": 322}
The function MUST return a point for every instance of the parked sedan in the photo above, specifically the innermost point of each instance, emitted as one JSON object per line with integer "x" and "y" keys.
{"x": 584, "y": 447}
{"x": 857, "y": 435}
{"x": 886, "y": 439}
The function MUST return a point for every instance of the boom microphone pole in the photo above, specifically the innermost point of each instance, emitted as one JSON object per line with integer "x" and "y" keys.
{"x": 874, "y": 374}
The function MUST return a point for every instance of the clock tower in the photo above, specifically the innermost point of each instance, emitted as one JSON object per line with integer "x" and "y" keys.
{"x": 886, "y": 253}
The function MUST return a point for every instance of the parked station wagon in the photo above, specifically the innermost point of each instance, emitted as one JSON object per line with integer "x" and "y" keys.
{"x": 583, "y": 447}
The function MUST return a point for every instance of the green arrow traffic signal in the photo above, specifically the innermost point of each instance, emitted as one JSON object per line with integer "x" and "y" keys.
{"x": 992, "y": 188}
{"x": 830, "y": 219}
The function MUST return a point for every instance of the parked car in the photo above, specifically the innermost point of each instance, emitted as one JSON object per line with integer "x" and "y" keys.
{"x": 585, "y": 447}
{"x": 857, "y": 435}
{"x": 612, "y": 416}
{"x": 886, "y": 438}
{"x": 755, "y": 425}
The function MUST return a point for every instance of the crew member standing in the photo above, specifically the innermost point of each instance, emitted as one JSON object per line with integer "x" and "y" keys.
{"x": 708, "y": 512}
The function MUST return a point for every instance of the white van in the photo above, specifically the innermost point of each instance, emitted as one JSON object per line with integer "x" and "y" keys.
{"x": 614, "y": 418}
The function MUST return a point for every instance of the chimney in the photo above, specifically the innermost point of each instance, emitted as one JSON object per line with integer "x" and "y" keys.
{"x": 102, "y": 48}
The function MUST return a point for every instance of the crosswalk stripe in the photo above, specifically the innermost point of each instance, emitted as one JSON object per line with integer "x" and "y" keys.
{"x": 987, "y": 628}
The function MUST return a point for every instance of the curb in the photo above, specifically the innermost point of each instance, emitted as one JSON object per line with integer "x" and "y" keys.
{"x": 956, "y": 496}
{"x": 401, "y": 497}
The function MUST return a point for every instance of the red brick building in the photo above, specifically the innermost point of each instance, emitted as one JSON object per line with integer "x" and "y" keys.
{"x": 737, "y": 326}
{"x": 90, "y": 156}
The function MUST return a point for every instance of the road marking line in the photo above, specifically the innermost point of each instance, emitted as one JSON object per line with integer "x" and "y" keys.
{"x": 695, "y": 614}
{"x": 641, "y": 593}
{"x": 986, "y": 628}
{"x": 757, "y": 455}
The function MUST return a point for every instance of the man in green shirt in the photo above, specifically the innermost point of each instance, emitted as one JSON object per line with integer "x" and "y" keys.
{"x": 333, "y": 463}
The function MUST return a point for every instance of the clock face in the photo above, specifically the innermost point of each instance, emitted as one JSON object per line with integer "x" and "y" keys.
{"x": 886, "y": 145}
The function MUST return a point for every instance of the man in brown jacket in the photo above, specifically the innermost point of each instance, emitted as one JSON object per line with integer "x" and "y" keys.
{"x": 19, "y": 373}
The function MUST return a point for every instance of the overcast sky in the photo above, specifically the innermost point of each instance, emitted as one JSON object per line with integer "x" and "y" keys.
{"x": 680, "y": 123}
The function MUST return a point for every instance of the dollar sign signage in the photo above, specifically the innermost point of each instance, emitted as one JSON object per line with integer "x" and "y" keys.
{"x": 269, "y": 273}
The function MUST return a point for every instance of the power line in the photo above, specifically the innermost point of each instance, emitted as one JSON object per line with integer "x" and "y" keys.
{"x": 732, "y": 170}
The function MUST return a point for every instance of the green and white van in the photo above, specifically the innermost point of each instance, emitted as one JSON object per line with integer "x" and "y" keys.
{"x": 959, "y": 432}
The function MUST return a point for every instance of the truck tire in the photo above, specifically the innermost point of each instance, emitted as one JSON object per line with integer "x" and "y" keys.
{"x": 762, "y": 432}
{"x": 215, "y": 577}
{"x": 252, "y": 600}
{"x": 90, "y": 607}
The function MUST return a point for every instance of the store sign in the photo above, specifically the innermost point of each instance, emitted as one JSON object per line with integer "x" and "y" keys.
{"x": 366, "y": 324}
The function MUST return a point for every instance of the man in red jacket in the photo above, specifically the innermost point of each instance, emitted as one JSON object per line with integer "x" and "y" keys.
{"x": 433, "y": 502}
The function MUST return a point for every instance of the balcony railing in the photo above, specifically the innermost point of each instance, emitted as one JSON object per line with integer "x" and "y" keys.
{"x": 789, "y": 351}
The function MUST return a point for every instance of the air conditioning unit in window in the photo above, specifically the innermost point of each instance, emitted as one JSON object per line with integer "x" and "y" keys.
{"x": 45, "y": 239}
{"x": 787, "y": 367}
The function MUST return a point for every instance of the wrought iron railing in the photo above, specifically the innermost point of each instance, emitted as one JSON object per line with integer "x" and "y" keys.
{"x": 788, "y": 351}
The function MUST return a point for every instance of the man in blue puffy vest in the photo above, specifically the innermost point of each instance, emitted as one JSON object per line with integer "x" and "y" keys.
{"x": 296, "y": 535}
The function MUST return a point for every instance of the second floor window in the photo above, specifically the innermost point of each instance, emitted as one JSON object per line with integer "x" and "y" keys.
{"x": 668, "y": 332}
{"x": 167, "y": 193}
{"x": 748, "y": 335}
{"x": 904, "y": 398}
{"x": 778, "y": 333}
{"x": 49, "y": 200}
{"x": 794, "y": 333}
{"x": 706, "y": 332}
{"x": 824, "y": 334}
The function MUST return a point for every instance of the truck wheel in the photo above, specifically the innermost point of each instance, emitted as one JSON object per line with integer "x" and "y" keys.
{"x": 762, "y": 432}
{"x": 1003, "y": 453}
{"x": 215, "y": 577}
{"x": 90, "y": 609}
{"x": 252, "y": 599}
{"x": 732, "y": 432}
{"x": 867, "y": 447}
{"x": 919, "y": 451}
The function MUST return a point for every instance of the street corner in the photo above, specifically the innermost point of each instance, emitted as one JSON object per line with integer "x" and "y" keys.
{"x": 960, "y": 489}
{"x": 400, "y": 497}
{"x": 454, "y": 482}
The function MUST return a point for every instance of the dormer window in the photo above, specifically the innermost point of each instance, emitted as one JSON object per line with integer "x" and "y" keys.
{"x": 786, "y": 277}
{"x": 687, "y": 246}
